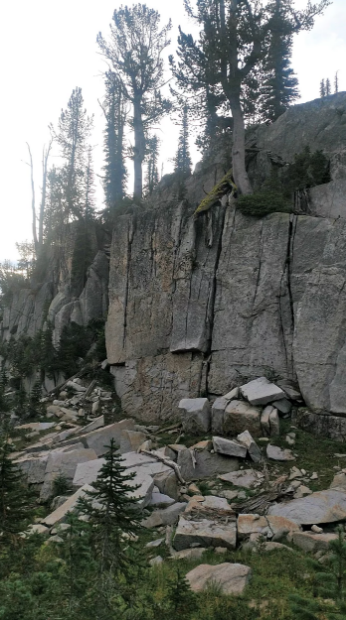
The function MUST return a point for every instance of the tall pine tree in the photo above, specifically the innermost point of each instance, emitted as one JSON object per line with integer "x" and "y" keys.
{"x": 280, "y": 86}
{"x": 182, "y": 160}
{"x": 152, "y": 158}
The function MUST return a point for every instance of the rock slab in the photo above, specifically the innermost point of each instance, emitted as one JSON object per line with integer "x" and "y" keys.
{"x": 320, "y": 507}
{"x": 230, "y": 578}
{"x": 205, "y": 533}
{"x": 195, "y": 415}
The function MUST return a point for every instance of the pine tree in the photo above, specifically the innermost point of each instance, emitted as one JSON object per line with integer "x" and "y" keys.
{"x": 336, "y": 83}
{"x": 280, "y": 86}
{"x": 72, "y": 133}
{"x": 328, "y": 87}
{"x": 89, "y": 191}
{"x": 16, "y": 501}
{"x": 114, "y": 110}
{"x": 152, "y": 158}
{"x": 182, "y": 160}
{"x": 135, "y": 52}
{"x": 322, "y": 89}
{"x": 113, "y": 512}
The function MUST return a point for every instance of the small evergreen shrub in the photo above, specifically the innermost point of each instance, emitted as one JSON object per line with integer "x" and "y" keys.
{"x": 307, "y": 170}
{"x": 263, "y": 202}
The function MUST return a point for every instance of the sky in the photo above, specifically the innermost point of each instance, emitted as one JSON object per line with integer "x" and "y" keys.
{"x": 48, "y": 48}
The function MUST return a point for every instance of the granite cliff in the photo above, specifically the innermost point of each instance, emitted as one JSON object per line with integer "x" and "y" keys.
{"x": 197, "y": 306}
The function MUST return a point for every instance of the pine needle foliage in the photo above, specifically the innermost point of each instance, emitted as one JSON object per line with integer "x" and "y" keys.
{"x": 113, "y": 512}
{"x": 16, "y": 501}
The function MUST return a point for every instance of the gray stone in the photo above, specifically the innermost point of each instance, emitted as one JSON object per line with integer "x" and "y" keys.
{"x": 156, "y": 561}
{"x": 167, "y": 516}
{"x": 261, "y": 391}
{"x": 61, "y": 513}
{"x": 167, "y": 483}
{"x": 37, "y": 528}
{"x": 96, "y": 406}
{"x": 155, "y": 543}
{"x": 274, "y": 422}
{"x": 254, "y": 451}
{"x": 247, "y": 478}
{"x": 265, "y": 419}
{"x": 205, "y": 532}
{"x": 158, "y": 498}
{"x": 34, "y": 468}
{"x": 100, "y": 439}
{"x": 86, "y": 473}
{"x": 240, "y": 416}
{"x": 248, "y": 524}
{"x": 284, "y": 405}
{"x": 63, "y": 463}
{"x": 311, "y": 542}
{"x": 320, "y": 507}
{"x": 230, "y": 578}
{"x": 195, "y": 415}
{"x": 232, "y": 395}
{"x": 189, "y": 554}
{"x": 204, "y": 464}
{"x": 75, "y": 386}
{"x": 217, "y": 414}
{"x": 277, "y": 454}
{"x": 229, "y": 447}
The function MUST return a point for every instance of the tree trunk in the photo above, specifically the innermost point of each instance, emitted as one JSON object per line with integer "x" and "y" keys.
{"x": 44, "y": 191}
{"x": 33, "y": 201}
{"x": 139, "y": 149}
{"x": 241, "y": 178}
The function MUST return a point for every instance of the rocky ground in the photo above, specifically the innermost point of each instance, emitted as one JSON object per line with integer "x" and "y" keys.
{"x": 234, "y": 483}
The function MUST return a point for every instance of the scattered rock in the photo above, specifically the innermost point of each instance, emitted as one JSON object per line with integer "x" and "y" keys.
{"x": 189, "y": 554}
{"x": 60, "y": 513}
{"x": 167, "y": 483}
{"x": 320, "y": 507}
{"x": 254, "y": 451}
{"x": 283, "y": 405}
{"x": 63, "y": 463}
{"x": 195, "y": 415}
{"x": 230, "y": 578}
{"x": 206, "y": 533}
{"x": 302, "y": 491}
{"x": 229, "y": 447}
{"x": 37, "y": 528}
{"x": 100, "y": 439}
{"x": 277, "y": 454}
{"x": 228, "y": 494}
{"x": 245, "y": 478}
{"x": 168, "y": 516}
{"x": 255, "y": 524}
{"x": 158, "y": 498}
{"x": 156, "y": 561}
{"x": 232, "y": 395}
{"x": 316, "y": 529}
{"x": 217, "y": 414}
{"x": 261, "y": 391}
{"x": 155, "y": 543}
{"x": 274, "y": 422}
{"x": 239, "y": 416}
{"x": 203, "y": 464}
{"x": 339, "y": 481}
{"x": 311, "y": 542}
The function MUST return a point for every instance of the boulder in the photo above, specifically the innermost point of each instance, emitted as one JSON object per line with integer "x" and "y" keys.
{"x": 206, "y": 533}
{"x": 248, "y": 524}
{"x": 311, "y": 542}
{"x": 265, "y": 420}
{"x": 247, "y": 478}
{"x": 240, "y": 416}
{"x": 158, "y": 498}
{"x": 339, "y": 481}
{"x": 217, "y": 414}
{"x": 283, "y": 405}
{"x": 189, "y": 554}
{"x": 320, "y": 507}
{"x": 61, "y": 513}
{"x": 254, "y": 451}
{"x": 232, "y": 395}
{"x": 203, "y": 464}
{"x": 230, "y": 578}
{"x": 64, "y": 463}
{"x": 167, "y": 483}
{"x": 99, "y": 440}
{"x": 277, "y": 454}
{"x": 33, "y": 467}
{"x": 274, "y": 422}
{"x": 37, "y": 528}
{"x": 86, "y": 473}
{"x": 195, "y": 415}
{"x": 229, "y": 447}
{"x": 261, "y": 391}
{"x": 145, "y": 485}
{"x": 210, "y": 502}
{"x": 167, "y": 516}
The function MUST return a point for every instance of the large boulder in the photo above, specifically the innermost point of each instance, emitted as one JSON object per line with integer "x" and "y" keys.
{"x": 206, "y": 533}
{"x": 63, "y": 463}
{"x": 261, "y": 392}
{"x": 229, "y": 447}
{"x": 239, "y": 416}
{"x": 310, "y": 542}
{"x": 229, "y": 578}
{"x": 320, "y": 507}
{"x": 195, "y": 464}
{"x": 195, "y": 415}
{"x": 100, "y": 439}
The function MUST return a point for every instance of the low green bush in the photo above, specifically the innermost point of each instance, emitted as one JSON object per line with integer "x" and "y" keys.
{"x": 263, "y": 202}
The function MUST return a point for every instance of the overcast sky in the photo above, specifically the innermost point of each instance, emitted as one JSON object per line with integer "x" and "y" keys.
{"x": 48, "y": 48}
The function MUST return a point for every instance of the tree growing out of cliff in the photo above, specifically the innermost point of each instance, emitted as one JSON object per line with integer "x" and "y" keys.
{"x": 233, "y": 42}
{"x": 114, "y": 109}
{"x": 135, "y": 52}
{"x": 280, "y": 86}
{"x": 72, "y": 133}
{"x": 182, "y": 160}
{"x": 152, "y": 159}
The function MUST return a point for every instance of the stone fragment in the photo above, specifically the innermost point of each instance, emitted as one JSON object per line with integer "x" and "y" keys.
{"x": 320, "y": 507}
{"x": 156, "y": 561}
{"x": 316, "y": 529}
{"x": 283, "y": 405}
{"x": 229, "y": 447}
{"x": 167, "y": 483}
{"x": 100, "y": 439}
{"x": 275, "y": 546}
{"x": 195, "y": 415}
{"x": 75, "y": 386}
{"x": 261, "y": 391}
{"x": 246, "y": 478}
{"x": 189, "y": 554}
{"x": 53, "y": 410}
{"x": 36, "y": 426}
{"x": 134, "y": 440}
{"x": 96, "y": 406}
{"x": 232, "y": 395}
{"x": 220, "y": 550}
{"x": 248, "y": 524}
{"x": 295, "y": 473}
{"x": 34, "y": 468}
{"x": 210, "y": 501}
{"x": 63, "y": 463}
{"x": 166, "y": 452}
{"x": 37, "y": 528}
{"x": 230, "y": 578}
{"x": 277, "y": 454}
{"x": 339, "y": 481}
{"x": 205, "y": 532}
{"x": 311, "y": 542}
{"x": 265, "y": 423}
{"x": 274, "y": 422}
{"x": 62, "y": 527}
{"x": 60, "y": 513}
{"x": 167, "y": 516}
{"x": 239, "y": 416}
{"x": 158, "y": 498}
{"x": 302, "y": 491}
{"x": 86, "y": 473}
{"x": 155, "y": 543}
{"x": 195, "y": 464}
{"x": 217, "y": 415}
{"x": 254, "y": 451}
{"x": 228, "y": 494}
